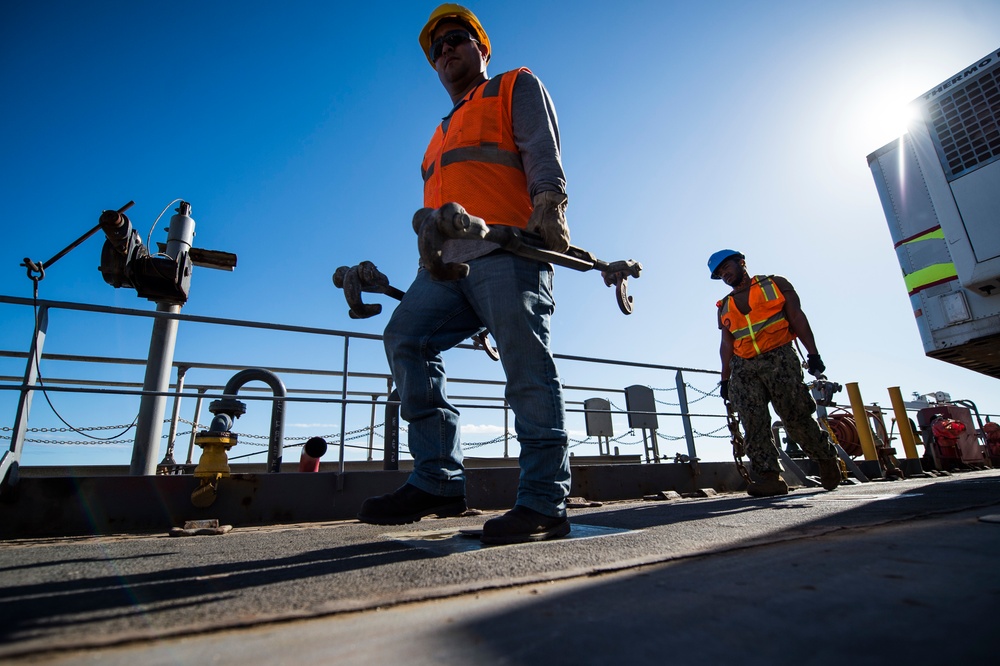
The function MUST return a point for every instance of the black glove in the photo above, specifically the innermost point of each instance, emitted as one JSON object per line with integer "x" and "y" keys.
{"x": 724, "y": 390}
{"x": 815, "y": 365}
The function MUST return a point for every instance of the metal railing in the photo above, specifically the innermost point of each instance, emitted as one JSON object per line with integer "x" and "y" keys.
{"x": 343, "y": 387}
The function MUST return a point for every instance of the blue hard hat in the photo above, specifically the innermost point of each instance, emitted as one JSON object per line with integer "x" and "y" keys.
{"x": 717, "y": 258}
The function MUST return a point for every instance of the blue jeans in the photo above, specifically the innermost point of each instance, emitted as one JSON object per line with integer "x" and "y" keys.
{"x": 512, "y": 297}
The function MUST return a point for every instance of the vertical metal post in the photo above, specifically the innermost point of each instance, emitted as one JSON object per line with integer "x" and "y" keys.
{"x": 161, "y": 357}
{"x": 685, "y": 414}
{"x": 11, "y": 458}
{"x": 168, "y": 458}
{"x": 371, "y": 428}
{"x": 905, "y": 431}
{"x": 343, "y": 411}
{"x": 194, "y": 424}
{"x": 861, "y": 422}
{"x": 149, "y": 427}
{"x": 506, "y": 429}
{"x": 390, "y": 455}
{"x": 650, "y": 445}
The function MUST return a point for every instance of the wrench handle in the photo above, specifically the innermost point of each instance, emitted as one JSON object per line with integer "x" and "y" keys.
{"x": 392, "y": 292}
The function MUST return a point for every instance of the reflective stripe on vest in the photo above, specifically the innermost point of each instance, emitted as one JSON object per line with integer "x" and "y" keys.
{"x": 933, "y": 244}
{"x": 472, "y": 158}
{"x": 765, "y": 327}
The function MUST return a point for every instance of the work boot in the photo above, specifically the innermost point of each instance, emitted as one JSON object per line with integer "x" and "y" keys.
{"x": 771, "y": 485}
{"x": 830, "y": 473}
{"x": 408, "y": 504}
{"x": 522, "y": 524}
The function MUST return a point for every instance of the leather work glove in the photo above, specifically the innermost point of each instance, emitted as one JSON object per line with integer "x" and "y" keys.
{"x": 724, "y": 390}
{"x": 548, "y": 220}
{"x": 815, "y": 365}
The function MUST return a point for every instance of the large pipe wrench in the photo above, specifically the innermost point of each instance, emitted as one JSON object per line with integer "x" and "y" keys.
{"x": 451, "y": 221}
{"x": 366, "y": 277}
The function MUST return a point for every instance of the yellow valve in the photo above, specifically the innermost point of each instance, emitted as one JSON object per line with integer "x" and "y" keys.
{"x": 212, "y": 466}
{"x": 214, "y": 463}
{"x": 206, "y": 492}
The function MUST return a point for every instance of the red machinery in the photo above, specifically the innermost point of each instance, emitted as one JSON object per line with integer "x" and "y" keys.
{"x": 950, "y": 437}
{"x": 992, "y": 433}
{"x": 845, "y": 428}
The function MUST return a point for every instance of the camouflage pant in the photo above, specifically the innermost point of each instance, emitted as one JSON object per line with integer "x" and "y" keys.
{"x": 775, "y": 377}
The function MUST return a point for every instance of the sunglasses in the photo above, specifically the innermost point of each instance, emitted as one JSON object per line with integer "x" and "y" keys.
{"x": 452, "y": 38}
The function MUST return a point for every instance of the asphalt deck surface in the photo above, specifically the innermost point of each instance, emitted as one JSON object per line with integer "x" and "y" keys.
{"x": 903, "y": 571}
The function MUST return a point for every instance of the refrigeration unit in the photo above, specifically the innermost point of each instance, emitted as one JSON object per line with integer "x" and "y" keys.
{"x": 940, "y": 190}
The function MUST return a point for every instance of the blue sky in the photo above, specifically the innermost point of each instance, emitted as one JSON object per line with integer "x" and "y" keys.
{"x": 296, "y": 129}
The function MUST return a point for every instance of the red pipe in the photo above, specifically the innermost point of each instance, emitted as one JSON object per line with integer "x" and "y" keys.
{"x": 312, "y": 451}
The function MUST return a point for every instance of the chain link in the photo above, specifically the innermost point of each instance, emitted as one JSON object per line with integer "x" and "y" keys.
{"x": 703, "y": 395}
{"x": 739, "y": 445}
{"x": 66, "y": 442}
{"x": 110, "y": 427}
{"x": 334, "y": 438}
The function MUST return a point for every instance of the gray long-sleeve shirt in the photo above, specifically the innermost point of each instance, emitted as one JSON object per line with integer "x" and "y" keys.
{"x": 536, "y": 133}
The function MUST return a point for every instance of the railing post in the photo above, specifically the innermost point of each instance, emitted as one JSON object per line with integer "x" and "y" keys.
{"x": 390, "y": 455}
{"x": 371, "y": 428}
{"x": 685, "y": 414}
{"x": 167, "y": 464}
{"x": 343, "y": 411}
{"x": 194, "y": 424}
{"x": 506, "y": 429}
{"x": 11, "y": 459}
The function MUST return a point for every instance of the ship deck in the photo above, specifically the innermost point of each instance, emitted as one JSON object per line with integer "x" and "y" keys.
{"x": 900, "y": 570}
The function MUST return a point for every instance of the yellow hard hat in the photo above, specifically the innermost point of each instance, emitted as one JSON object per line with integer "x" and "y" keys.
{"x": 462, "y": 15}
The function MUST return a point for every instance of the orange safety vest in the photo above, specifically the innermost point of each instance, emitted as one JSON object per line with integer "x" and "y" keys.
{"x": 765, "y": 327}
{"x": 472, "y": 158}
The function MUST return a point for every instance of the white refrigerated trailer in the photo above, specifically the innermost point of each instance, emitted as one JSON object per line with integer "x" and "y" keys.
{"x": 940, "y": 189}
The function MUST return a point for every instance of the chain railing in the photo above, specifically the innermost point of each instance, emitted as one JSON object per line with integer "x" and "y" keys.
{"x": 357, "y": 391}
